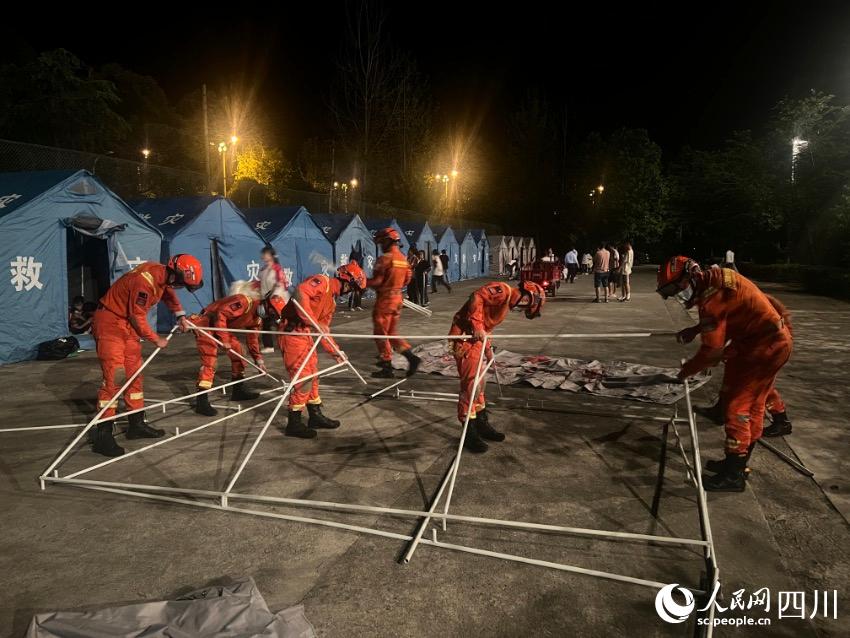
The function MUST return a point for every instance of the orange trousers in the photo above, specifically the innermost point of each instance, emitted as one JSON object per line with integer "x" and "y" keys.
{"x": 118, "y": 346}
{"x": 208, "y": 349}
{"x": 747, "y": 383}
{"x": 467, "y": 354}
{"x": 295, "y": 350}
{"x": 774, "y": 403}
{"x": 385, "y": 316}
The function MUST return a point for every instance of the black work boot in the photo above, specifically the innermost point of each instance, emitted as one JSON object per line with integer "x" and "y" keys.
{"x": 318, "y": 420}
{"x": 295, "y": 427}
{"x": 713, "y": 413}
{"x": 730, "y": 478}
{"x": 138, "y": 429}
{"x": 780, "y": 426}
{"x": 104, "y": 443}
{"x": 472, "y": 441}
{"x": 240, "y": 392}
{"x": 385, "y": 371}
{"x": 485, "y": 430}
{"x": 412, "y": 362}
{"x": 202, "y": 405}
{"x": 716, "y": 466}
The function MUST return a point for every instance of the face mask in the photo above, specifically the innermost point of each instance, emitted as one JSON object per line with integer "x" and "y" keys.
{"x": 684, "y": 296}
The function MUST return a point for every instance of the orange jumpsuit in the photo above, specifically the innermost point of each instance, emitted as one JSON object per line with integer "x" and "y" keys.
{"x": 236, "y": 311}
{"x": 486, "y": 308}
{"x": 317, "y": 295}
{"x": 390, "y": 275}
{"x": 119, "y": 322}
{"x": 731, "y": 307}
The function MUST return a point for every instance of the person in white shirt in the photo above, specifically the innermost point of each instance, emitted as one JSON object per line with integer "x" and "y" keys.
{"x": 571, "y": 261}
{"x": 549, "y": 256}
{"x": 586, "y": 263}
{"x": 438, "y": 273}
{"x": 627, "y": 260}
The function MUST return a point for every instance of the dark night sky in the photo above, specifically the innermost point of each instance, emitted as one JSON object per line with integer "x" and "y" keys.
{"x": 689, "y": 72}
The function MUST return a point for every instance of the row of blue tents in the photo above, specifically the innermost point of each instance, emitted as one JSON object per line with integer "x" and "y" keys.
{"x": 65, "y": 233}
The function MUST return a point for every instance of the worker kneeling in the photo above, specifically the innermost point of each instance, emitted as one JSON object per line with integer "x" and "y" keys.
{"x": 311, "y": 310}
{"x": 486, "y": 308}
{"x": 732, "y": 310}
{"x": 243, "y": 309}
{"x": 119, "y": 322}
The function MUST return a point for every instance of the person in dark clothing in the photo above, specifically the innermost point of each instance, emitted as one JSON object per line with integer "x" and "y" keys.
{"x": 79, "y": 320}
{"x": 420, "y": 278}
{"x": 412, "y": 287}
{"x": 445, "y": 259}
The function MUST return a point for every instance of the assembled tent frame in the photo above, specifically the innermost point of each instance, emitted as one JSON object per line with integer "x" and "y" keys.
{"x": 222, "y": 500}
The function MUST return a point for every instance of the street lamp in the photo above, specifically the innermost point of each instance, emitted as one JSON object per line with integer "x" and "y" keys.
{"x": 600, "y": 188}
{"x": 146, "y": 153}
{"x": 222, "y": 149}
{"x": 354, "y": 183}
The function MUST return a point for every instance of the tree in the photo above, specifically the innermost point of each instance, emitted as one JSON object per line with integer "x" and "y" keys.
{"x": 258, "y": 164}
{"x": 56, "y": 99}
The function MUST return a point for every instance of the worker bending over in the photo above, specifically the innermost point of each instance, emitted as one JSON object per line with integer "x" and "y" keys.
{"x": 316, "y": 297}
{"x": 485, "y": 309}
{"x": 243, "y": 309}
{"x": 120, "y": 322}
{"x": 732, "y": 310}
{"x": 390, "y": 275}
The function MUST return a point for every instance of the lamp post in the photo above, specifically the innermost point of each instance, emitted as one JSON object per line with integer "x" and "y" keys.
{"x": 222, "y": 150}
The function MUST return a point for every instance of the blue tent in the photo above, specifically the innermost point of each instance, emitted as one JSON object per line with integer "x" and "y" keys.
{"x": 350, "y": 239}
{"x": 374, "y": 225}
{"x": 447, "y": 241}
{"x": 419, "y": 234}
{"x": 301, "y": 246}
{"x": 470, "y": 266}
{"x": 483, "y": 244}
{"x": 63, "y": 234}
{"x": 213, "y": 230}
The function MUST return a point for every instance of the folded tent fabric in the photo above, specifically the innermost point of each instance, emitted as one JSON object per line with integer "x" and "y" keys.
{"x": 236, "y": 609}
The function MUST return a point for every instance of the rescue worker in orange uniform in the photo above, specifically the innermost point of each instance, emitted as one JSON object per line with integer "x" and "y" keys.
{"x": 732, "y": 310}
{"x": 119, "y": 322}
{"x": 317, "y": 297}
{"x": 485, "y": 309}
{"x": 390, "y": 275}
{"x": 242, "y": 309}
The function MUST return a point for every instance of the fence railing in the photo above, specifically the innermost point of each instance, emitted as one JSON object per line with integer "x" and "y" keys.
{"x": 133, "y": 179}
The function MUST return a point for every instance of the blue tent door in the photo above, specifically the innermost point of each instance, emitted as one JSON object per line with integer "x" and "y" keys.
{"x": 88, "y": 266}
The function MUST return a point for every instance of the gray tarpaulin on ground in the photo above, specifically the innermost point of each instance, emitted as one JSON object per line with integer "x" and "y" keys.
{"x": 236, "y": 610}
{"x": 616, "y": 379}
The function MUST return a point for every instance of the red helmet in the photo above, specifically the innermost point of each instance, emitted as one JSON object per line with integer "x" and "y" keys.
{"x": 353, "y": 274}
{"x": 671, "y": 275}
{"x": 274, "y": 306}
{"x": 387, "y": 235}
{"x": 188, "y": 271}
{"x": 529, "y": 296}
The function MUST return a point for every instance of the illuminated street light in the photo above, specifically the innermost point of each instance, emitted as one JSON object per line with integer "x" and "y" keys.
{"x": 233, "y": 139}
{"x": 455, "y": 173}
{"x": 146, "y": 152}
{"x": 797, "y": 146}
{"x": 336, "y": 184}
{"x": 354, "y": 183}
{"x": 600, "y": 188}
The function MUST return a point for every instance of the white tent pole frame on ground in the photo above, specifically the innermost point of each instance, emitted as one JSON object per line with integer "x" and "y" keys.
{"x": 705, "y": 542}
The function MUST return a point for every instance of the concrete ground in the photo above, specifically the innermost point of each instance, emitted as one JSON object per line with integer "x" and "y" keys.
{"x": 70, "y": 548}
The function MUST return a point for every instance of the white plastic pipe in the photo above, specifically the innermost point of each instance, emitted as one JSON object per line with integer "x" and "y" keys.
{"x": 339, "y": 352}
{"x": 479, "y": 376}
{"x": 375, "y": 509}
{"x": 229, "y": 349}
{"x": 179, "y": 399}
{"x": 169, "y": 439}
{"x": 97, "y": 416}
{"x": 416, "y": 307}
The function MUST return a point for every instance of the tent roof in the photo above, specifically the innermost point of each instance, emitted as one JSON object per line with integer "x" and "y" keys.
{"x": 440, "y": 230}
{"x": 379, "y": 224}
{"x": 278, "y": 218}
{"x": 155, "y": 211}
{"x": 477, "y": 234}
{"x": 22, "y": 187}
{"x": 412, "y": 227}
{"x": 333, "y": 224}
